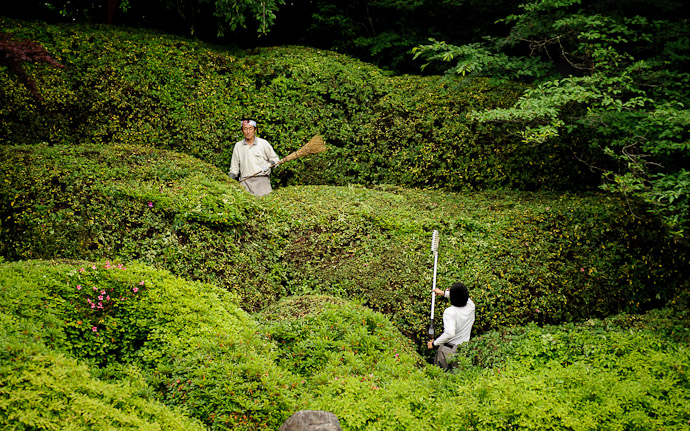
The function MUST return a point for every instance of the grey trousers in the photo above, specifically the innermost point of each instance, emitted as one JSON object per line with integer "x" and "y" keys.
{"x": 443, "y": 354}
{"x": 258, "y": 186}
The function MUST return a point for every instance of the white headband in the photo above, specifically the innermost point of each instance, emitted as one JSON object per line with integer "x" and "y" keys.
{"x": 249, "y": 123}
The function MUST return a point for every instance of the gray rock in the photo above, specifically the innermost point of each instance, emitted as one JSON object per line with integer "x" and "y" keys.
{"x": 311, "y": 420}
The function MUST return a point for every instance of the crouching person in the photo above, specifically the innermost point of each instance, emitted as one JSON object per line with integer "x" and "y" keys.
{"x": 457, "y": 324}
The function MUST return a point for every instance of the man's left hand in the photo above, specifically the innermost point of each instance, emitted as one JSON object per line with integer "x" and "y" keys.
{"x": 430, "y": 344}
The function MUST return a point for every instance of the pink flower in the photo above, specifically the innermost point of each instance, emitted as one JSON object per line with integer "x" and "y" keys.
{"x": 95, "y": 288}
{"x": 82, "y": 270}
{"x": 78, "y": 286}
{"x": 150, "y": 204}
{"x": 107, "y": 298}
{"x": 93, "y": 267}
{"x": 94, "y": 329}
{"x": 100, "y": 305}
{"x": 142, "y": 283}
{"x": 135, "y": 290}
{"x": 100, "y": 297}
{"x": 93, "y": 305}
{"x": 582, "y": 269}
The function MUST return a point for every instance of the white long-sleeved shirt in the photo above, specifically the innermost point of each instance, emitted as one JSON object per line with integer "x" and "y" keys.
{"x": 457, "y": 324}
{"x": 248, "y": 160}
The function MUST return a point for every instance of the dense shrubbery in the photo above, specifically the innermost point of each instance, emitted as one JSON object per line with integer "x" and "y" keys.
{"x": 528, "y": 257}
{"x": 205, "y": 364}
{"x": 182, "y": 344}
{"x": 105, "y": 169}
{"x": 151, "y": 89}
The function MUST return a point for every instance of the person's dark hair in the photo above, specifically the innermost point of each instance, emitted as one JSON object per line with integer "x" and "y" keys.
{"x": 459, "y": 295}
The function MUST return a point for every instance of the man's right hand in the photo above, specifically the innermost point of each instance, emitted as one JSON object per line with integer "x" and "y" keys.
{"x": 233, "y": 176}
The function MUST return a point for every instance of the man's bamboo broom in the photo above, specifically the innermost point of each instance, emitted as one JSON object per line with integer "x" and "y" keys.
{"x": 314, "y": 146}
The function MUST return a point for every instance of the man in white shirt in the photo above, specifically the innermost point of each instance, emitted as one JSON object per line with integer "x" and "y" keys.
{"x": 457, "y": 324}
{"x": 251, "y": 156}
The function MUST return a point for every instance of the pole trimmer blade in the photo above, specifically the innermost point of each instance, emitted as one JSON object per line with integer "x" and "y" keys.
{"x": 434, "y": 249}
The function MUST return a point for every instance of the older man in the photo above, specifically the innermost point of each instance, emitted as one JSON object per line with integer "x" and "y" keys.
{"x": 251, "y": 156}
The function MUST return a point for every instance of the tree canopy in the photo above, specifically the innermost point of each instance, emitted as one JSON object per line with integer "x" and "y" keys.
{"x": 614, "y": 77}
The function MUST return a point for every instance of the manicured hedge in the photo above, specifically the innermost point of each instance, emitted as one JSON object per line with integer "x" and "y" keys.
{"x": 199, "y": 362}
{"x": 150, "y": 340}
{"x": 133, "y": 87}
{"x": 528, "y": 257}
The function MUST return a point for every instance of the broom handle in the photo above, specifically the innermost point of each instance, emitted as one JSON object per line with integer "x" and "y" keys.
{"x": 292, "y": 156}
{"x": 257, "y": 173}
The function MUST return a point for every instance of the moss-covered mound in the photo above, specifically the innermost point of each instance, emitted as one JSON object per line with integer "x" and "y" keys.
{"x": 543, "y": 258}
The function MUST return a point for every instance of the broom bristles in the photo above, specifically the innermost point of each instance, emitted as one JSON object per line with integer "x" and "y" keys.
{"x": 314, "y": 146}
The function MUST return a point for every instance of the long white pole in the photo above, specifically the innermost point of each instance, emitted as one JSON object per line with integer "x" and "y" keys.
{"x": 434, "y": 250}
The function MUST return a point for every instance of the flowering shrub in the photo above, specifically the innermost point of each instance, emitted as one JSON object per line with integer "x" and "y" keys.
{"x": 104, "y": 314}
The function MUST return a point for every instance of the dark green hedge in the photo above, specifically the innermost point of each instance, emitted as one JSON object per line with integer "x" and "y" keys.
{"x": 123, "y": 86}
{"x": 528, "y": 257}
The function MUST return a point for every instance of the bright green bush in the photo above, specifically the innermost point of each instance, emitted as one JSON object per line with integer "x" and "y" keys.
{"x": 43, "y": 388}
{"x": 318, "y": 336}
{"x": 619, "y": 373}
{"x": 189, "y": 345}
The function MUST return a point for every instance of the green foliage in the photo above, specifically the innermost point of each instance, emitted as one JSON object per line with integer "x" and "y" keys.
{"x": 140, "y": 88}
{"x": 234, "y": 13}
{"x": 320, "y": 336}
{"x": 543, "y": 258}
{"x": 206, "y": 357}
{"x": 43, "y": 388}
{"x": 621, "y": 371}
{"x": 360, "y": 254}
{"x": 478, "y": 60}
{"x": 181, "y": 344}
{"x": 625, "y": 92}
{"x": 548, "y": 259}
